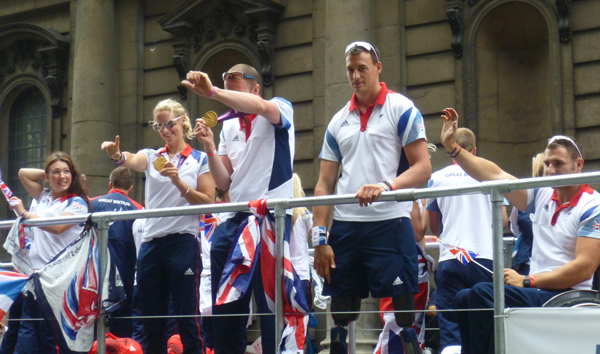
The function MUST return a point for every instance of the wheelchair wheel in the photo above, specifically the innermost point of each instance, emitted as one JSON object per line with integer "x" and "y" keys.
{"x": 575, "y": 298}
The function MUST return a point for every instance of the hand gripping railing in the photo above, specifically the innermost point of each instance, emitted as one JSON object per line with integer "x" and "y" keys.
{"x": 495, "y": 189}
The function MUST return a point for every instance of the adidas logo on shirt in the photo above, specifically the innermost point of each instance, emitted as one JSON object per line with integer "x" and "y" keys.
{"x": 189, "y": 272}
{"x": 235, "y": 138}
{"x": 398, "y": 281}
{"x": 345, "y": 124}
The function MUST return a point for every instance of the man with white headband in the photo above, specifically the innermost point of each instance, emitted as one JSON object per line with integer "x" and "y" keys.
{"x": 376, "y": 137}
{"x": 566, "y": 242}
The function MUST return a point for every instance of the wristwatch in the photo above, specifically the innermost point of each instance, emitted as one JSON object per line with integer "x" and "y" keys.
{"x": 526, "y": 282}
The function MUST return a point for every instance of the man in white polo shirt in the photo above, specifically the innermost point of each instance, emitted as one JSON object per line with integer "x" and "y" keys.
{"x": 464, "y": 221}
{"x": 566, "y": 242}
{"x": 376, "y": 137}
{"x": 254, "y": 161}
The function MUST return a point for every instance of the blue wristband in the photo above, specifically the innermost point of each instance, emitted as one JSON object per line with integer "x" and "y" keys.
{"x": 319, "y": 236}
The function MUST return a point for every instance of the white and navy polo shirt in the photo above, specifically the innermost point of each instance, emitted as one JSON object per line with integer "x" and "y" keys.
{"x": 557, "y": 227}
{"x": 466, "y": 219}
{"x": 261, "y": 155}
{"x": 45, "y": 245}
{"x": 161, "y": 193}
{"x": 369, "y": 146}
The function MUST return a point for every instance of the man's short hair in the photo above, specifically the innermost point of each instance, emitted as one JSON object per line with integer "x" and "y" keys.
{"x": 248, "y": 70}
{"x": 373, "y": 53}
{"x": 121, "y": 178}
{"x": 570, "y": 144}
{"x": 465, "y": 138}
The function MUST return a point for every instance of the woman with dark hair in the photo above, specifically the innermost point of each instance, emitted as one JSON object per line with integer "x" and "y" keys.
{"x": 64, "y": 197}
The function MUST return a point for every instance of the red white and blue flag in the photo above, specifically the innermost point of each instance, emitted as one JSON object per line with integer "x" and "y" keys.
{"x": 66, "y": 290}
{"x": 259, "y": 230}
{"x": 464, "y": 256}
{"x": 11, "y": 284}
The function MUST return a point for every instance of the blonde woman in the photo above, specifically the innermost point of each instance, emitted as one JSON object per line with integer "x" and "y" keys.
{"x": 168, "y": 261}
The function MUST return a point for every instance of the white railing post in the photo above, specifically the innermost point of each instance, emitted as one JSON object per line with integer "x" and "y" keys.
{"x": 496, "y": 200}
{"x": 352, "y": 337}
{"x": 102, "y": 255}
{"x": 279, "y": 232}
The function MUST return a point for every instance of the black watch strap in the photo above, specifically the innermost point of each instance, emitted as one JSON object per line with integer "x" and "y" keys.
{"x": 527, "y": 282}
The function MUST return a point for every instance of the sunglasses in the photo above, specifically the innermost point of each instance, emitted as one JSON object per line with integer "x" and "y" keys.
{"x": 169, "y": 124}
{"x": 564, "y": 138}
{"x": 237, "y": 76}
{"x": 364, "y": 45}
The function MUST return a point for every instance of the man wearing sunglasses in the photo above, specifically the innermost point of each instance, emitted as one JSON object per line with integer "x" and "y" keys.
{"x": 254, "y": 161}
{"x": 566, "y": 236}
{"x": 376, "y": 137}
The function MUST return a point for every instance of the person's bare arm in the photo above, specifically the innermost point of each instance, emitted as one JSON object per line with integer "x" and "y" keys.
{"x": 425, "y": 216}
{"x": 478, "y": 168}
{"x": 418, "y": 173}
{"x": 137, "y": 162}
{"x": 504, "y": 218}
{"x": 324, "y": 256}
{"x": 582, "y": 268}
{"x": 415, "y": 220}
{"x": 31, "y": 178}
{"x": 200, "y": 83}
{"x": 220, "y": 166}
{"x": 325, "y": 186}
{"x": 435, "y": 220}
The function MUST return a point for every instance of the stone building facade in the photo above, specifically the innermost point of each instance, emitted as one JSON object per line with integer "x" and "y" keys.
{"x": 74, "y": 73}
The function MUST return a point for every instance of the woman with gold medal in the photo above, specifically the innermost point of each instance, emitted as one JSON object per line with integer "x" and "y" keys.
{"x": 168, "y": 261}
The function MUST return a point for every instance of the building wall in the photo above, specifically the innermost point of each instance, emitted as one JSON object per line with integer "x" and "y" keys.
{"x": 413, "y": 36}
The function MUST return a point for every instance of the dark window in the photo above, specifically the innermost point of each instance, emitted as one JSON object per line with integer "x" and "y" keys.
{"x": 26, "y": 138}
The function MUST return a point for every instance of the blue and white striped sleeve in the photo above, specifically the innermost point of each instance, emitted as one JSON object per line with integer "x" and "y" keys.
{"x": 286, "y": 111}
{"x": 222, "y": 143}
{"x": 589, "y": 225}
{"x": 411, "y": 126}
{"x": 331, "y": 149}
{"x": 431, "y": 203}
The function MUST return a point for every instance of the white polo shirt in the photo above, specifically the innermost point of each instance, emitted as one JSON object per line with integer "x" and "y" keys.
{"x": 261, "y": 158}
{"x": 556, "y": 228}
{"x": 466, "y": 220}
{"x": 370, "y": 146}
{"x": 45, "y": 245}
{"x": 161, "y": 193}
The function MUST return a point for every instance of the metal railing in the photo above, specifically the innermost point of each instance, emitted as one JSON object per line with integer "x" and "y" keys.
{"x": 495, "y": 189}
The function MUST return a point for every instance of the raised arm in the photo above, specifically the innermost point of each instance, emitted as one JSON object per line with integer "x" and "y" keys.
{"x": 137, "y": 162}
{"x": 31, "y": 178}
{"x": 250, "y": 103}
{"x": 478, "y": 168}
{"x": 220, "y": 166}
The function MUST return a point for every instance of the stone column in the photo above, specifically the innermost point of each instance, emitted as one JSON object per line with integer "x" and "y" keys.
{"x": 93, "y": 110}
{"x": 346, "y": 22}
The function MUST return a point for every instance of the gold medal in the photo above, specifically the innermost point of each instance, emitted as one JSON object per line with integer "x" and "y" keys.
{"x": 159, "y": 163}
{"x": 210, "y": 118}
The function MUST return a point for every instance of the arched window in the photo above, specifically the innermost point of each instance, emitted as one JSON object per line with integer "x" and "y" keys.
{"x": 26, "y": 138}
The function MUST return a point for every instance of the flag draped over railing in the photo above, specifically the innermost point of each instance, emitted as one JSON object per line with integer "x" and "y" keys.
{"x": 255, "y": 236}
{"x": 66, "y": 290}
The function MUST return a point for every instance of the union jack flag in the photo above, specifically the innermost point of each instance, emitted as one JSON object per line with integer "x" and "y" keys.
{"x": 11, "y": 284}
{"x": 79, "y": 306}
{"x": 596, "y": 226}
{"x": 420, "y": 127}
{"x": 463, "y": 255}
{"x": 259, "y": 231}
{"x": 208, "y": 223}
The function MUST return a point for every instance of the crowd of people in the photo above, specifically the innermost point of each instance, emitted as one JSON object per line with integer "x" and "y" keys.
{"x": 374, "y": 144}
